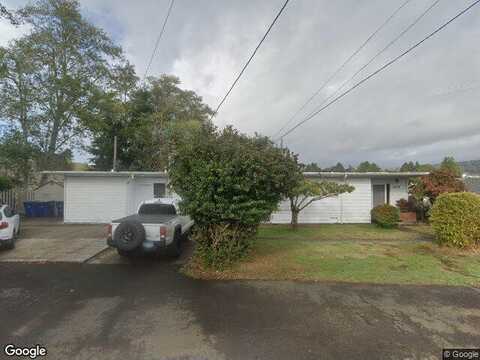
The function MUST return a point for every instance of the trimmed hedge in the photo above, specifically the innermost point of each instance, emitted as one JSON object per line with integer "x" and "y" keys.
{"x": 455, "y": 218}
{"x": 386, "y": 216}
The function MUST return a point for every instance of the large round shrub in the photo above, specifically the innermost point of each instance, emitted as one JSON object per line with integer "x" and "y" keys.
{"x": 455, "y": 218}
{"x": 386, "y": 216}
{"x": 229, "y": 183}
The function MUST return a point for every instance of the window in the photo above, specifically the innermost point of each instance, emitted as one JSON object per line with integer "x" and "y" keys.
{"x": 8, "y": 213}
{"x": 388, "y": 194}
{"x": 157, "y": 209}
{"x": 158, "y": 190}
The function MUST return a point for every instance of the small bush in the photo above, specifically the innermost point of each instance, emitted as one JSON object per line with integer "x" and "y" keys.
{"x": 386, "y": 216}
{"x": 220, "y": 245}
{"x": 455, "y": 218}
{"x": 406, "y": 205}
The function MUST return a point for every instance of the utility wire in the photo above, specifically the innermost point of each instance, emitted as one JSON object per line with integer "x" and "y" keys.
{"x": 383, "y": 67}
{"x": 408, "y": 28}
{"x": 158, "y": 40}
{"x": 341, "y": 67}
{"x": 249, "y": 60}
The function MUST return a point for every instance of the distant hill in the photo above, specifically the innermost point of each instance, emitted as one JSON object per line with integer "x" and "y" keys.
{"x": 470, "y": 167}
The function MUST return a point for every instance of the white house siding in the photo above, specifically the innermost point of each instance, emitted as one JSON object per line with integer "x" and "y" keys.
{"x": 357, "y": 205}
{"x": 49, "y": 192}
{"x": 94, "y": 199}
{"x": 398, "y": 190}
{"x": 398, "y": 187}
{"x": 142, "y": 189}
{"x": 346, "y": 208}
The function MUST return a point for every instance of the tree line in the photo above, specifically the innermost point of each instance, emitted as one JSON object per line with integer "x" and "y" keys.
{"x": 448, "y": 163}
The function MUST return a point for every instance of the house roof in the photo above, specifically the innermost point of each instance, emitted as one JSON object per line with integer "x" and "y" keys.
{"x": 49, "y": 182}
{"x": 108, "y": 173}
{"x": 364, "y": 174}
{"x": 308, "y": 174}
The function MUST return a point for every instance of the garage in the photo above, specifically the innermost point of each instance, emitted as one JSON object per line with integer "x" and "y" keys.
{"x": 101, "y": 196}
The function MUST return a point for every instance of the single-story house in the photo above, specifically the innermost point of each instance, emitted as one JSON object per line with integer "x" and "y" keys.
{"x": 100, "y": 196}
{"x": 371, "y": 189}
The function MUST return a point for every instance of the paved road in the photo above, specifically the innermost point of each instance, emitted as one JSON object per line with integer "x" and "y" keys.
{"x": 147, "y": 310}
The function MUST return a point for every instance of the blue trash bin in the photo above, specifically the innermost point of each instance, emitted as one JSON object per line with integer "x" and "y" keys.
{"x": 52, "y": 211}
{"x": 28, "y": 206}
{"x": 41, "y": 209}
{"x": 59, "y": 208}
{"x": 36, "y": 209}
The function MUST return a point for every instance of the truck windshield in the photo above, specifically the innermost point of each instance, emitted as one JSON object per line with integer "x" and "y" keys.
{"x": 157, "y": 209}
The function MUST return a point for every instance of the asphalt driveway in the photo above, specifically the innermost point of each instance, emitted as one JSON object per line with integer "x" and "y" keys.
{"x": 147, "y": 310}
{"x": 44, "y": 240}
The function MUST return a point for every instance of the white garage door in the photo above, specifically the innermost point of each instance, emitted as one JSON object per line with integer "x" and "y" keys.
{"x": 94, "y": 199}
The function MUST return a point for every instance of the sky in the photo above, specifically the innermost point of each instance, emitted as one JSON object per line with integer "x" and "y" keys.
{"x": 422, "y": 108}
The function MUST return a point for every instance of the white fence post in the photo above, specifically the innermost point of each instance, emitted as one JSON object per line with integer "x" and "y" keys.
{"x": 15, "y": 198}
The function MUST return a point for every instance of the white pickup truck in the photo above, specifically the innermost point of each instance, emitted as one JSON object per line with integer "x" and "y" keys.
{"x": 154, "y": 227}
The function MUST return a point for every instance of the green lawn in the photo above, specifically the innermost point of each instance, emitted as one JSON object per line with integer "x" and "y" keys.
{"x": 353, "y": 253}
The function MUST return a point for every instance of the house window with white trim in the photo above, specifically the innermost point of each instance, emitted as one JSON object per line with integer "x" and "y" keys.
{"x": 158, "y": 190}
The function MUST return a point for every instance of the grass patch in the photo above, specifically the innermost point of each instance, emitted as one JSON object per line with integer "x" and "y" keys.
{"x": 352, "y": 253}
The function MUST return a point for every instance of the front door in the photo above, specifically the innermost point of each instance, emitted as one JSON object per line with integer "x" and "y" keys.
{"x": 378, "y": 195}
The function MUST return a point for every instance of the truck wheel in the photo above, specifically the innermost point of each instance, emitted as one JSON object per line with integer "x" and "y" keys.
{"x": 175, "y": 248}
{"x": 129, "y": 235}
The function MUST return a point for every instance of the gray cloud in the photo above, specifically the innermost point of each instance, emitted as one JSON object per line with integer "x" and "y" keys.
{"x": 412, "y": 111}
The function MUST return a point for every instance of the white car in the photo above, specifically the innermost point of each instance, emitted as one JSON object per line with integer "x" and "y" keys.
{"x": 9, "y": 226}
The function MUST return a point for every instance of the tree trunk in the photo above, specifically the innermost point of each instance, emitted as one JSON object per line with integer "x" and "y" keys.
{"x": 294, "y": 221}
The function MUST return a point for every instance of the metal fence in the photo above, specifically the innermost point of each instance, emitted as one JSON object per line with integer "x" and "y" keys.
{"x": 15, "y": 198}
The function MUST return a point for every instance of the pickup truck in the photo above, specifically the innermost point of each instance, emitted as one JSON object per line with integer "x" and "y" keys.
{"x": 155, "y": 227}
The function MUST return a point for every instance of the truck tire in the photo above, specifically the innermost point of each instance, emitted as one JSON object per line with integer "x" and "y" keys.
{"x": 129, "y": 235}
{"x": 176, "y": 247}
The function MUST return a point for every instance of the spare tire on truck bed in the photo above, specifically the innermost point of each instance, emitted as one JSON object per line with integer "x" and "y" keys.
{"x": 129, "y": 235}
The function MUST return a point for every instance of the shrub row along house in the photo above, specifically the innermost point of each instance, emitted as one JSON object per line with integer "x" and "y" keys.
{"x": 99, "y": 197}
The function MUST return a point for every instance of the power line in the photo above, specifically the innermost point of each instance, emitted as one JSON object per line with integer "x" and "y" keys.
{"x": 250, "y": 59}
{"x": 158, "y": 39}
{"x": 382, "y": 67}
{"x": 398, "y": 37}
{"x": 341, "y": 67}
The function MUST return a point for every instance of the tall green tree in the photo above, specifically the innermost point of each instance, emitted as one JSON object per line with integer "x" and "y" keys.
{"x": 115, "y": 112}
{"x": 366, "y": 166}
{"x": 408, "y": 167}
{"x": 17, "y": 85}
{"x": 148, "y": 113}
{"x": 54, "y": 75}
{"x": 411, "y": 166}
{"x": 312, "y": 167}
{"x": 450, "y": 165}
{"x": 17, "y": 157}
{"x": 337, "y": 168}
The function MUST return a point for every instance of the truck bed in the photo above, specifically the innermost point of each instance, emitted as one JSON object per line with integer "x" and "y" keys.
{"x": 147, "y": 219}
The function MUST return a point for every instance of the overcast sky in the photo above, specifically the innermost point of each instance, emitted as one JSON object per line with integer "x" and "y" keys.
{"x": 422, "y": 108}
